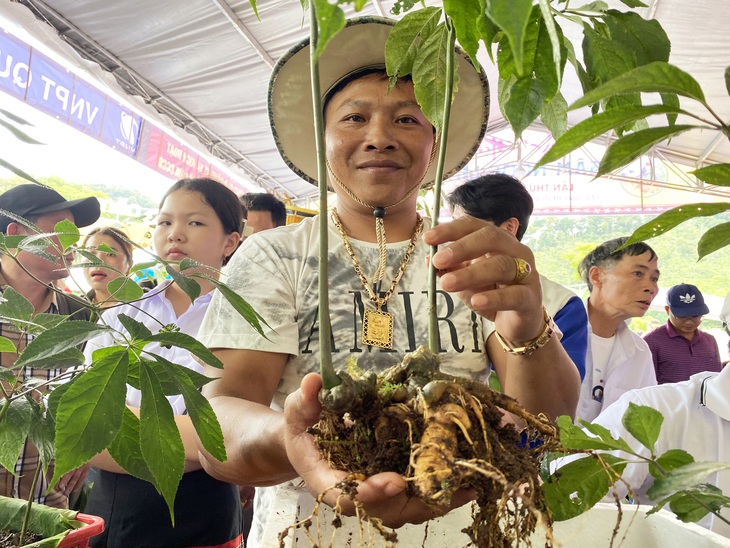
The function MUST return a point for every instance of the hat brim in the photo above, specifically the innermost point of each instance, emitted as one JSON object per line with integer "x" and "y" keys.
{"x": 362, "y": 44}
{"x": 688, "y": 312}
{"x": 86, "y": 211}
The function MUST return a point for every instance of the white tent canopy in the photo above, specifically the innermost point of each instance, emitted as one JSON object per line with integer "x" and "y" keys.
{"x": 204, "y": 66}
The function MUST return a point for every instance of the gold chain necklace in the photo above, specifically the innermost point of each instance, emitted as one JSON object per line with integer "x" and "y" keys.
{"x": 377, "y": 325}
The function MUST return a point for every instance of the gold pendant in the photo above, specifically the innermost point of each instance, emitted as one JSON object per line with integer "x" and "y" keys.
{"x": 377, "y": 328}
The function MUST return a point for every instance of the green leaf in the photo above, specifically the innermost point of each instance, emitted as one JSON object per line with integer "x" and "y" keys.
{"x": 672, "y": 218}
{"x": 201, "y": 413}
{"x": 506, "y": 61}
{"x": 404, "y": 40}
{"x": 644, "y": 423}
{"x": 463, "y": 14}
{"x": 604, "y": 58}
{"x": 598, "y": 6}
{"x": 713, "y": 239}
{"x": 655, "y": 77}
{"x": 671, "y": 100}
{"x": 189, "y": 286}
{"x": 645, "y": 37}
{"x": 429, "y": 76}
{"x": 487, "y": 30}
{"x": 556, "y": 39}
{"x": 717, "y": 174}
{"x": 126, "y": 448}
{"x": 330, "y": 21}
{"x": 71, "y": 357}
{"x": 239, "y": 304}
{"x": 671, "y": 459}
{"x": 14, "y": 307}
{"x": 136, "y": 329}
{"x": 14, "y": 428}
{"x": 43, "y": 519}
{"x": 142, "y": 266}
{"x": 183, "y": 340}
{"x": 634, "y": 3}
{"x": 555, "y": 116}
{"x": 6, "y": 345}
{"x": 684, "y": 477}
{"x": 42, "y": 434}
{"x": 694, "y": 504}
{"x": 124, "y": 289}
{"x": 574, "y": 437}
{"x": 67, "y": 233}
{"x": 629, "y": 147}
{"x": 89, "y": 414}
{"x": 727, "y": 80}
{"x": 163, "y": 449}
{"x": 577, "y": 486}
{"x": 512, "y": 17}
{"x": 527, "y": 96}
{"x": 59, "y": 339}
{"x": 44, "y": 321}
{"x": 597, "y": 125}
{"x": 170, "y": 384}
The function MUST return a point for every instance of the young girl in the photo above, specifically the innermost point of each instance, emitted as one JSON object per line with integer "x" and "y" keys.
{"x": 199, "y": 219}
{"x": 121, "y": 260}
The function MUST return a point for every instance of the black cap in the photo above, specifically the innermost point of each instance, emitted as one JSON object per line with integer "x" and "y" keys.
{"x": 31, "y": 200}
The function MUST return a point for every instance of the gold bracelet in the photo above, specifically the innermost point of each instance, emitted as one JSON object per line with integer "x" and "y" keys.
{"x": 529, "y": 347}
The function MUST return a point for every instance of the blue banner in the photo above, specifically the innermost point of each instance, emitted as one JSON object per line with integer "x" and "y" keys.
{"x": 14, "y": 61}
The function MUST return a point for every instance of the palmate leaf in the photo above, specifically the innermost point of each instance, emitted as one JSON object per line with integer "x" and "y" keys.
{"x": 126, "y": 448}
{"x": 188, "y": 285}
{"x": 713, "y": 239}
{"x": 685, "y": 477}
{"x": 429, "y": 76}
{"x": 89, "y": 414}
{"x": 201, "y": 414}
{"x": 604, "y": 58}
{"x": 717, "y": 174}
{"x": 629, "y": 147}
{"x": 187, "y": 342}
{"x": 597, "y": 125}
{"x": 59, "y": 339}
{"x": 672, "y": 218}
{"x": 330, "y": 21}
{"x": 555, "y": 116}
{"x": 463, "y": 14}
{"x": 644, "y": 423}
{"x": 71, "y": 357}
{"x": 656, "y": 77}
{"x": 527, "y": 97}
{"x": 512, "y": 17}
{"x": 136, "y": 329}
{"x": 556, "y": 40}
{"x": 163, "y": 449}
{"x": 403, "y": 42}
{"x": 692, "y": 505}
{"x": 170, "y": 386}
{"x": 14, "y": 428}
{"x": 577, "y": 486}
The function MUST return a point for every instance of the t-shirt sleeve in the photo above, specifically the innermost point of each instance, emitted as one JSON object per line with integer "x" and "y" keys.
{"x": 266, "y": 282}
{"x": 572, "y": 320}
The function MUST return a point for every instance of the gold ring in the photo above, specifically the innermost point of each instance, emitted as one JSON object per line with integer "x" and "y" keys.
{"x": 523, "y": 270}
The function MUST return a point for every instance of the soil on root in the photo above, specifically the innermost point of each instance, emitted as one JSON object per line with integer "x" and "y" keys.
{"x": 441, "y": 433}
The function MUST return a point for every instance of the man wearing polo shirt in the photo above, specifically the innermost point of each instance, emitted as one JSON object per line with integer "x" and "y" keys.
{"x": 33, "y": 276}
{"x": 679, "y": 349}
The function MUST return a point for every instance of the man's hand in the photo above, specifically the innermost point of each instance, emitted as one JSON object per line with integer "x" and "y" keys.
{"x": 479, "y": 265}
{"x": 382, "y": 495}
{"x": 71, "y": 481}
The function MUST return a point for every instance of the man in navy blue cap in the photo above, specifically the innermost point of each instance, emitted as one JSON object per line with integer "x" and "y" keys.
{"x": 26, "y": 210}
{"x": 679, "y": 349}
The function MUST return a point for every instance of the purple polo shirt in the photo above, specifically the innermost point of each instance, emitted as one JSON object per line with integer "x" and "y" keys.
{"x": 676, "y": 359}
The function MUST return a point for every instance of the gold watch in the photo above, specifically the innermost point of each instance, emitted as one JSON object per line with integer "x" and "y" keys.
{"x": 529, "y": 347}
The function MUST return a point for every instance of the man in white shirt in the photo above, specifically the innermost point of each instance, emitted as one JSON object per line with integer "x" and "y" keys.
{"x": 622, "y": 283}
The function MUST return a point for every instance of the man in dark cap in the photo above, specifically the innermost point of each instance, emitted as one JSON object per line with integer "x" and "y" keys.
{"x": 24, "y": 211}
{"x": 679, "y": 349}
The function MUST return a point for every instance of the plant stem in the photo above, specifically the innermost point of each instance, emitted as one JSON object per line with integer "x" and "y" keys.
{"x": 433, "y": 328}
{"x": 26, "y": 516}
{"x": 329, "y": 377}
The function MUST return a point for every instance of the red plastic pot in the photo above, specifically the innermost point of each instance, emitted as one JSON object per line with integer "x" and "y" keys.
{"x": 79, "y": 538}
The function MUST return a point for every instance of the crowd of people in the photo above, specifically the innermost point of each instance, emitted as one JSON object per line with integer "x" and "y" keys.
{"x": 554, "y": 353}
